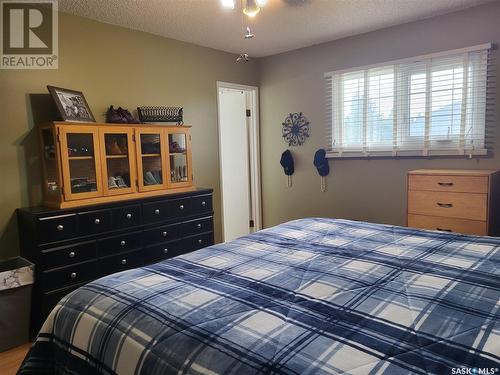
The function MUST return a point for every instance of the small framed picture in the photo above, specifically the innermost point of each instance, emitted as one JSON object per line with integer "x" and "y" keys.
{"x": 71, "y": 104}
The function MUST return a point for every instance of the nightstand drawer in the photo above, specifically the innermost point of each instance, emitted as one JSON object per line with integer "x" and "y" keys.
{"x": 70, "y": 275}
{"x": 463, "y": 184}
{"x": 56, "y": 228}
{"x": 458, "y": 205}
{"x": 66, "y": 255}
{"x": 448, "y": 224}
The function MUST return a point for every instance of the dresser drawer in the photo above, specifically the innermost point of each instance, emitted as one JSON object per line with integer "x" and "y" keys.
{"x": 94, "y": 221}
{"x": 125, "y": 217}
{"x": 66, "y": 255}
{"x": 464, "y": 184}
{"x": 56, "y": 228}
{"x": 155, "y": 212}
{"x": 62, "y": 277}
{"x": 197, "y": 226}
{"x": 118, "y": 244}
{"x": 458, "y": 205}
{"x": 162, "y": 234}
{"x": 180, "y": 207}
{"x": 448, "y": 224}
{"x": 197, "y": 242}
{"x": 121, "y": 262}
{"x": 162, "y": 251}
{"x": 201, "y": 204}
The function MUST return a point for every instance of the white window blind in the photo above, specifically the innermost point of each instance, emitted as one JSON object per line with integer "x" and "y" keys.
{"x": 428, "y": 105}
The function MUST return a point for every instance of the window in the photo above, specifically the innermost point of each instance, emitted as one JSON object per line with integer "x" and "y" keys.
{"x": 428, "y": 105}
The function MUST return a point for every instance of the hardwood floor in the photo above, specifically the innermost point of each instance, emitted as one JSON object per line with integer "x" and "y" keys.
{"x": 11, "y": 359}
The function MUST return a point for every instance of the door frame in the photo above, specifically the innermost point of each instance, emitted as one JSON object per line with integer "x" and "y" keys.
{"x": 252, "y": 99}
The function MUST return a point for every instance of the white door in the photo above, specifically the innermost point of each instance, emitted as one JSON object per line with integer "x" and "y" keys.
{"x": 234, "y": 162}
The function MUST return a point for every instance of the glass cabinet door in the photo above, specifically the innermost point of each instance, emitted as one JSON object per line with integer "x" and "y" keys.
{"x": 52, "y": 183}
{"x": 80, "y": 162}
{"x": 179, "y": 155}
{"x": 151, "y": 168}
{"x": 118, "y": 160}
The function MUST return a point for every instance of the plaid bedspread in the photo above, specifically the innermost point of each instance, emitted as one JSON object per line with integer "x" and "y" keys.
{"x": 311, "y": 296}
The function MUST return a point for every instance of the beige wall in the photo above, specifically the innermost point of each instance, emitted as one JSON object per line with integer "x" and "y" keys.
{"x": 372, "y": 190}
{"x": 111, "y": 65}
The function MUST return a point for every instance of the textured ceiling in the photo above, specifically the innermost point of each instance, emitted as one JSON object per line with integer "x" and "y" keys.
{"x": 282, "y": 25}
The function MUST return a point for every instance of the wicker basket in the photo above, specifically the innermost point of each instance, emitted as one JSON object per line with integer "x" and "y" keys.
{"x": 160, "y": 114}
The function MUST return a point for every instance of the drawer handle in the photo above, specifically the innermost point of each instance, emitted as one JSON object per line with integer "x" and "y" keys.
{"x": 198, "y": 226}
{"x": 445, "y": 205}
{"x": 181, "y": 207}
{"x": 165, "y": 251}
{"x": 72, "y": 254}
{"x": 128, "y": 216}
{"x": 124, "y": 261}
{"x": 97, "y": 221}
{"x": 200, "y": 241}
{"x": 60, "y": 227}
{"x": 73, "y": 275}
{"x": 445, "y": 183}
{"x": 164, "y": 234}
{"x": 443, "y": 230}
{"x": 203, "y": 203}
{"x": 122, "y": 243}
{"x": 157, "y": 211}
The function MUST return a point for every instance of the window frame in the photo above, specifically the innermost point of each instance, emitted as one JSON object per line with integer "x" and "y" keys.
{"x": 403, "y": 144}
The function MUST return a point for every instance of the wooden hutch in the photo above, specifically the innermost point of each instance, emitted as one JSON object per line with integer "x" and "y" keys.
{"x": 92, "y": 163}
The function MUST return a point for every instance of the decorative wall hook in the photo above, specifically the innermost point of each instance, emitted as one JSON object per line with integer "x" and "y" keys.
{"x": 321, "y": 163}
{"x": 287, "y": 163}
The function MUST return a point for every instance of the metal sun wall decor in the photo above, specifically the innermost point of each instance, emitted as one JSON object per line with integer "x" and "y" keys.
{"x": 295, "y": 129}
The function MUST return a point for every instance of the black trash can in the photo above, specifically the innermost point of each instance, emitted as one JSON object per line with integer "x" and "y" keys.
{"x": 16, "y": 281}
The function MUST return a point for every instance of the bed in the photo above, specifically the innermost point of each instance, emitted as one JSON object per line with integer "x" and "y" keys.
{"x": 311, "y": 296}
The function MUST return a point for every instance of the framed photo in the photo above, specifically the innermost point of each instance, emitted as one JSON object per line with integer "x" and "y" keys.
{"x": 71, "y": 104}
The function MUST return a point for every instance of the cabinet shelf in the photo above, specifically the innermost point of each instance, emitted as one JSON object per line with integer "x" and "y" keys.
{"x": 80, "y": 157}
{"x": 151, "y": 155}
{"x": 177, "y": 154}
{"x": 124, "y": 156}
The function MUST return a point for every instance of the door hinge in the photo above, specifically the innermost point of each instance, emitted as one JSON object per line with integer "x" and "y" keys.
{"x": 252, "y": 224}
{"x": 249, "y": 113}
{"x": 133, "y": 137}
{"x": 58, "y": 136}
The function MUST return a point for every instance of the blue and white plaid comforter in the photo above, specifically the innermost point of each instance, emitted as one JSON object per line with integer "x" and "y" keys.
{"x": 312, "y": 296}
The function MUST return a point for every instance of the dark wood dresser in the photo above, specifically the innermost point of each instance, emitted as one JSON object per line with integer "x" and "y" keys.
{"x": 71, "y": 247}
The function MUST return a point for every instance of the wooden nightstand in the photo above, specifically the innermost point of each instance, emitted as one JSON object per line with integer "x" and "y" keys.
{"x": 462, "y": 201}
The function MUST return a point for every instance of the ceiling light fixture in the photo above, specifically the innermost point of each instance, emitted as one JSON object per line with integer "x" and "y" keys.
{"x": 228, "y": 4}
{"x": 251, "y": 8}
{"x": 261, "y": 3}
